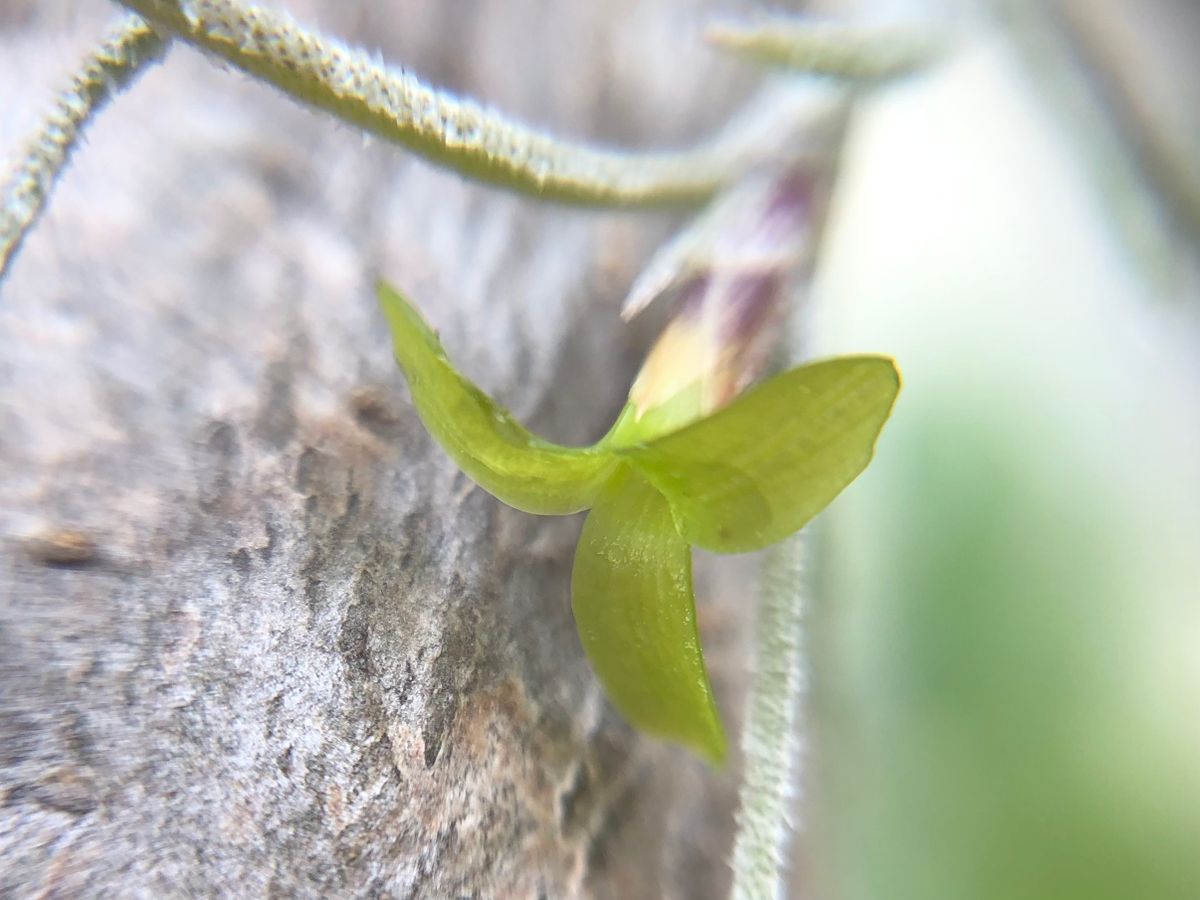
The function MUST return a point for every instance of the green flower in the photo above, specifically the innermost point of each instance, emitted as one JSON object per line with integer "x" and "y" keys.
{"x": 743, "y": 477}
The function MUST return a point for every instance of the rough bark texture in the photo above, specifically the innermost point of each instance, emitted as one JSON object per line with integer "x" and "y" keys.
{"x": 257, "y": 635}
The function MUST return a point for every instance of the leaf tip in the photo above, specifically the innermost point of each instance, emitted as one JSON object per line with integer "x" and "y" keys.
{"x": 388, "y": 296}
{"x": 896, "y": 376}
{"x": 712, "y": 745}
{"x": 887, "y": 370}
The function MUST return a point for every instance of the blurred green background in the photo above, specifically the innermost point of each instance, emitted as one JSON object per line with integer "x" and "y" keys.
{"x": 1005, "y": 628}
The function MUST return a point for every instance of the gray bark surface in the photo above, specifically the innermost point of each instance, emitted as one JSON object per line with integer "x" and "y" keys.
{"x": 258, "y": 636}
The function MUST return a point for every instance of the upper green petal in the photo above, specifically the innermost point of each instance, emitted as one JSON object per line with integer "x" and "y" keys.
{"x": 496, "y": 451}
{"x": 759, "y": 469}
{"x": 631, "y": 590}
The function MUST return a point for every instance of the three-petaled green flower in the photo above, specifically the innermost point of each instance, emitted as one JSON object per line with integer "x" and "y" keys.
{"x": 658, "y": 484}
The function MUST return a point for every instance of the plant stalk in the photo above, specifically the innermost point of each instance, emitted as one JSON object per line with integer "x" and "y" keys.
{"x": 770, "y": 741}
{"x": 129, "y": 50}
{"x": 458, "y": 132}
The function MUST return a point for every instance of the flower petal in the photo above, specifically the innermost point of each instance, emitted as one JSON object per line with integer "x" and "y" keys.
{"x": 762, "y": 467}
{"x": 497, "y": 452}
{"x": 632, "y": 594}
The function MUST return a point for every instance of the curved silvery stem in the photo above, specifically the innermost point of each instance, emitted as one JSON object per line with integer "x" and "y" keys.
{"x": 129, "y": 49}
{"x": 457, "y": 132}
{"x": 850, "y": 51}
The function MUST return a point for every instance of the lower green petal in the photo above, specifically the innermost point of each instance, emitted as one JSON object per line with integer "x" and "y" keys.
{"x": 632, "y": 595}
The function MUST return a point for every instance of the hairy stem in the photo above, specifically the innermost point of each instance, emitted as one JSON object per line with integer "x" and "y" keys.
{"x": 769, "y": 739}
{"x": 839, "y": 49}
{"x": 128, "y": 50}
{"x": 454, "y": 132}
{"x": 770, "y": 733}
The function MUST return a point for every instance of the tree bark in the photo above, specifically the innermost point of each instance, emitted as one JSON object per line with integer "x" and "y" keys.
{"x": 258, "y": 635}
